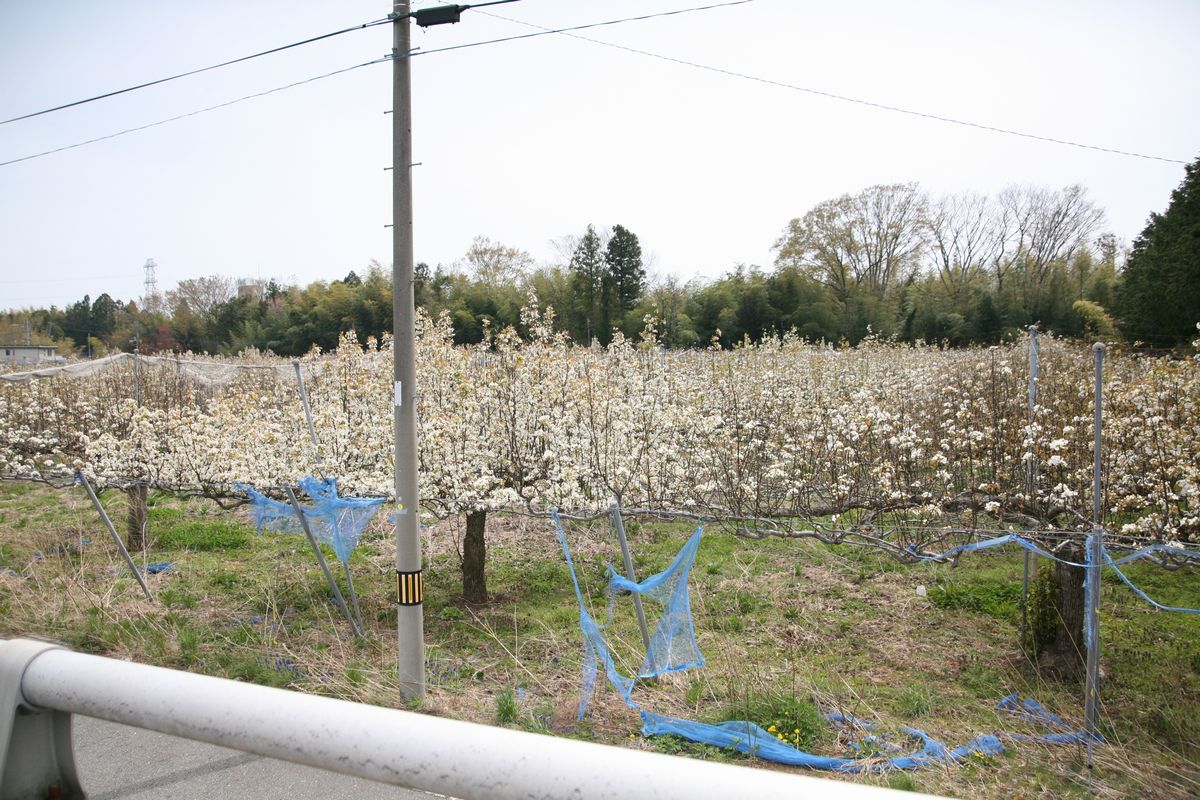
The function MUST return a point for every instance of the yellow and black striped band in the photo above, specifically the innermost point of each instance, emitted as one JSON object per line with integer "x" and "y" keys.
{"x": 410, "y": 588}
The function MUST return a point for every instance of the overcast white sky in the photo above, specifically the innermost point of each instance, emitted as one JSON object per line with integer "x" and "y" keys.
{"x": 528, "y": 141}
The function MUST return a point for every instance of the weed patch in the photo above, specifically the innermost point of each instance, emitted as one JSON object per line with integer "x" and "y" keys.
{"x": 997, "y": 599}
{"x": 203, "y": 535}
{"x": 506, "y": 707}
{"x": 792, "y": 720}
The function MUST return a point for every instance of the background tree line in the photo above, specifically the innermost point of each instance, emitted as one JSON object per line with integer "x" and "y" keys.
{"x": 890, "y": 260}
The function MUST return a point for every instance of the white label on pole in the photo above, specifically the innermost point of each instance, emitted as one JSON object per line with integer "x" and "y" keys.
{"x": 398, "y": 394}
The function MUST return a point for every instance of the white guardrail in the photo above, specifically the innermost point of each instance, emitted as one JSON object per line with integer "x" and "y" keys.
{"x": 42, "y": 685}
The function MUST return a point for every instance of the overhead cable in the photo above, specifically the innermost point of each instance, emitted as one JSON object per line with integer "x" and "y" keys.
{"x": 192, "y": 113}
{"x": 832, "y": 96}
{"x": 546, "y": 32}
{"x": 197, "y": 71}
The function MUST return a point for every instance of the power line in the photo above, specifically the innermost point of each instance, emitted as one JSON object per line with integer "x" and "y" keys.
{"x": 548, "y": 31}
{"x": 831, "y": 95}
{"x": 544, "y": 32}
{"x": 197, "y": 71}
{"x": 231, "y": 62}
{"x": 193, "y": 113}
{"x": 43, "y": 280}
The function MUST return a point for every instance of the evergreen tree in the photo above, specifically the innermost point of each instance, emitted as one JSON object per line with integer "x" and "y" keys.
{"x": 587, "y": 281}
{"x": 988, "y": 322}
{"x": 623, "y": 259}
{"x": 103, "y": 316}
{"x": 1159, "y": 301}
{"x": 77, "y": 321}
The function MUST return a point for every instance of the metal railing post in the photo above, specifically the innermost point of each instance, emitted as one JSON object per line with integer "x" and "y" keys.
{"x": 36, "y": 759}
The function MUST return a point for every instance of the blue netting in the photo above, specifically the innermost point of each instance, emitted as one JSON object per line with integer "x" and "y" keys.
{"x": 1032, "y": 710}
{"x": 335, "y": 521}
{"x": 673, "y": 647}
{"x": 987, "y": 544}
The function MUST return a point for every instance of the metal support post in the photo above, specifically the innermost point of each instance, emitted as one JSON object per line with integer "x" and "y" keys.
{"x": 137, "y": 575}
{"x": 337, "y": 593}
{"x": 312, "y": 435}
{"x": 1094, "y": 562}
{"x": 619, "y": 524}
{"x": 312, "y": 431}
{"x": 410, "y": 634}
{"x": 1030, "y": 571}
{"x": 36, "y": 759}
{"x": 137, "y": 368}
{"x": 353, "y": 597}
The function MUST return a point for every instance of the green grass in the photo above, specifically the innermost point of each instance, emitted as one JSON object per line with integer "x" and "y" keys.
{"x": 789, "y": 629}
{"x": 203, "y": 536}
{"x": 997, "y": 598}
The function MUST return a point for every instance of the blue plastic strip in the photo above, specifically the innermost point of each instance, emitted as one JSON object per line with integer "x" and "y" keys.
{"x": 1091, "y": 616}
{"x": 746, "y": 737}
{"x": 1012, "y": 538}
{"x": 1146, "y": 552}
{"x": 987, "y": 544}
{"x": 1034, "y": 711}
{"x": 1142, "y": 594}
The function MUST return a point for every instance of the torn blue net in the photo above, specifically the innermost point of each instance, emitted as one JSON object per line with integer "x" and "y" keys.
{"x": 673, "y": 647}
{"x": 1033, "y": 711}
{"x": 335, "y": 521}
{"x": 1091, "y": 612}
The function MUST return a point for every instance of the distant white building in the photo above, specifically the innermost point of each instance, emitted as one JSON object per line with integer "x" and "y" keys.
{"x": 21, "y": 354}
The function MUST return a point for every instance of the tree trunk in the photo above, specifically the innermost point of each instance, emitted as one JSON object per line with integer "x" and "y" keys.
{"x": 135, "y": 525}
{"x": 1065, "y": 656}
{"x": 474, "y": 557}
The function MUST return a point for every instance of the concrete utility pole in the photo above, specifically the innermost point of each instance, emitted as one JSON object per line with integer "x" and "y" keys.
{"x": 409, "y": 616}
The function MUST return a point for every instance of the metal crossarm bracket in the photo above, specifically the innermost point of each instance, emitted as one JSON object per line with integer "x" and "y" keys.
{"x": 36, "y": 759}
